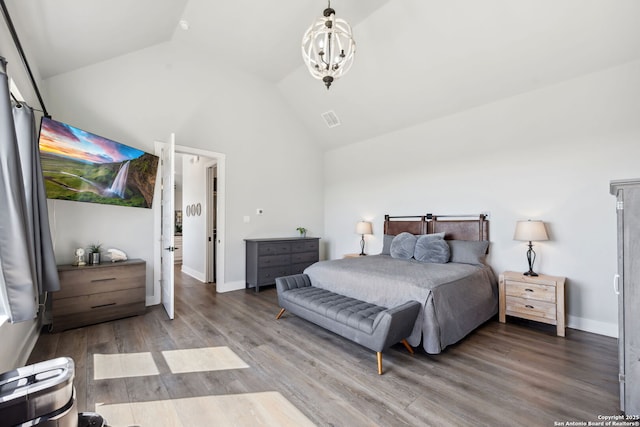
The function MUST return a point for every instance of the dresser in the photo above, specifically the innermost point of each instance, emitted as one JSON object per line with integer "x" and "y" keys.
{"x": 627, "y": 286}
{"x": 97, "y": 293}
{"x": 267, "y": 259}
{"x": 539, "y": 298}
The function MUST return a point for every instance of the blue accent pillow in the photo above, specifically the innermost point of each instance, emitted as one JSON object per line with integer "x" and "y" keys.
{"x": 432, "y": 248}
{"x": 403, "y": 246}
{"x": 468, "y": 251}
{"x": 386, "y": 244}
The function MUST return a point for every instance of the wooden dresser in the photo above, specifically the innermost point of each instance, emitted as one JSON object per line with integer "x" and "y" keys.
{"x": 539, "y": 298}
{"x": 271, "y": 258}
{"x": 97, "y": 293}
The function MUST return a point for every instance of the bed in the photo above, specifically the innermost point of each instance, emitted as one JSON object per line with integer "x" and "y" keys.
{"x": 455, "y": 297}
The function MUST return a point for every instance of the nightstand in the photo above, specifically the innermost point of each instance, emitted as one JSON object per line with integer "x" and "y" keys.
{"x": 351, "y": 256}
{"x": 539, "y": 298}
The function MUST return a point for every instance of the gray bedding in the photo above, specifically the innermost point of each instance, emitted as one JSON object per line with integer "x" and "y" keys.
{"x": 455, "y": 298}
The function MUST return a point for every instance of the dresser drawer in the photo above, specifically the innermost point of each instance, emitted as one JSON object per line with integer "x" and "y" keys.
{"x": 305, "y": 246}
{"x": 85, "y": 281}
{"x": 274, "y": 260}
{"x": 97, "y": 315}
{"x": 268, "y": 275}
{"x": 304, "y": 257}
{"x": 299, "y": 268}
{"x": 274, "y": 248}
{"x": 87, "y": 303}
{"x": 533, "y": 291}
{"x": 529, "y": 308}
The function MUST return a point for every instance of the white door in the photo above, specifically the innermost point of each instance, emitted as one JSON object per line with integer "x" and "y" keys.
{"x": 168, "y": 169}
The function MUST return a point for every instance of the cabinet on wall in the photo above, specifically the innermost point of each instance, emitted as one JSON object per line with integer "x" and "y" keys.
{"x": 97, "y": 293}
{"x": 267, "y": 259}
{"x": 627, "y": 285}
{"x": 177, "y": 253}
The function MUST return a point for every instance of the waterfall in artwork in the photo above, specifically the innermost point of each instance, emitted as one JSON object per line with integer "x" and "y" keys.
{"x": 120, "y": 182}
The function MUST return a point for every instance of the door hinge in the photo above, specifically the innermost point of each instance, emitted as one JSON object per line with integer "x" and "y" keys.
{"x": 619, "y": 205}
{"x": 621, "y": 378}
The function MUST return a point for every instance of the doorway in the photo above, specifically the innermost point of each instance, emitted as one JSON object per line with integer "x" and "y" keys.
{"x": 213, "y": 247}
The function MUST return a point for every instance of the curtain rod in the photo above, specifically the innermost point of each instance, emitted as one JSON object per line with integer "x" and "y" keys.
{"x": 16, "y": 41}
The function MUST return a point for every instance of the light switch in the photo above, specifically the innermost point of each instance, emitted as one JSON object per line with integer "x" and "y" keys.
{"x": 247, "y": 218}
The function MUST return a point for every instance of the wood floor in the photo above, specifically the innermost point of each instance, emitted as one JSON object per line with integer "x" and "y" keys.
{"x": 291, "y": 372}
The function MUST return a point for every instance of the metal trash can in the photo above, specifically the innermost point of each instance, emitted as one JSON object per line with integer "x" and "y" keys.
{"x": 41, "y": 395}
{"x": 90, "y": 419}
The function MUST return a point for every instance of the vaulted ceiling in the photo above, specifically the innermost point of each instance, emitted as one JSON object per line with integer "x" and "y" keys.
{"x": 416, "y": 60}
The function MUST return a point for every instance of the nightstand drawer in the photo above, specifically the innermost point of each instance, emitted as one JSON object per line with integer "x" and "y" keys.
{"x": 522, "y": 306}
{"x": 531, "y": 291}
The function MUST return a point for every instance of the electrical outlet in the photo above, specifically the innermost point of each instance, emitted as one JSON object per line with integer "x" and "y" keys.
{"x": 259, "y": 211}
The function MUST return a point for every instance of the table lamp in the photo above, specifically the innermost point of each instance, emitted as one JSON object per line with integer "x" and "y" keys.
{"x": 362, "y": 228}
{"x": 530, "y": 231}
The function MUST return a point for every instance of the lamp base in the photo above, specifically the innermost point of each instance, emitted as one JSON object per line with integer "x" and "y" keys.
{"x": 531, "y": 258}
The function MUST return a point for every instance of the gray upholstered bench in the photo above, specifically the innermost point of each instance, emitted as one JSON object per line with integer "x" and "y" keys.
{"x": 367, "y": 324}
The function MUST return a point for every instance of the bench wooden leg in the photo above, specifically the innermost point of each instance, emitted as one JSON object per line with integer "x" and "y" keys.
{"x": 406, "y": 344}
{"x": 379, "y": 353}
{"x": 280, "y": 314}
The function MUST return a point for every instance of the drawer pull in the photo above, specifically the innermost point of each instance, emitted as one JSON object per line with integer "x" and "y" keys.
{"x": 103, "y": 280}
{"x": 528, "y": 290}
{"x": 103, "y": 305}
{"x": 529, "y": 306}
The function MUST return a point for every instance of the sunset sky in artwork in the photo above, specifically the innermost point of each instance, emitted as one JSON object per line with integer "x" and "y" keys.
{"x": 64, "y": 140}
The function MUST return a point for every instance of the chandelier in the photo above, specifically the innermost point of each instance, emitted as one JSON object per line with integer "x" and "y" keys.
{"x": 328, "y": 47}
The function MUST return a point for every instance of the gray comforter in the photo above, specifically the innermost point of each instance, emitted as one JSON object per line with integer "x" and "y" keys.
{"x": 455, "y": 298}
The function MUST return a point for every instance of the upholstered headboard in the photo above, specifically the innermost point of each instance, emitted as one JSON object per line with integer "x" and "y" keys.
{"x": 455, "y": 227}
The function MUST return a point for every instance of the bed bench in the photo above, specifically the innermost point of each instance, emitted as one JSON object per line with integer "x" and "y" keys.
{"x": 369, "y": 325}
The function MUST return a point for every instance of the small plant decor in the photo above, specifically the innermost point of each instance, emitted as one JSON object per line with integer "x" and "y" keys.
{"x": 302, "y": 231}
{"x": 95, "y": 248}
{"x": 94, "y": 253}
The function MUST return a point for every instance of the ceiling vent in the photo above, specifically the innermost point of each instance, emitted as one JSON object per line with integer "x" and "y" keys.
{"x": 331, "y": 119}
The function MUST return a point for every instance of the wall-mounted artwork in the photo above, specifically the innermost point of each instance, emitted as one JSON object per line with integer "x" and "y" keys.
{"x": 84, "y": 167}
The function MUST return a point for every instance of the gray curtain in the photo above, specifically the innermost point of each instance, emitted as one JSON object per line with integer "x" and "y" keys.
{"x": 27, "y": 262}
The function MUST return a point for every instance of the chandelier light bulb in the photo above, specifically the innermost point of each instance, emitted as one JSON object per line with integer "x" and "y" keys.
{"x": 328, "y": 47}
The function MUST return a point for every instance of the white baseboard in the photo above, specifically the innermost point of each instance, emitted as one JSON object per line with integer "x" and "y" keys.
{"x": 152, "y": 300}
{"x": 230, "y": 286}
{"x": 594, "y": 326}
{"x": 198, "y": 275}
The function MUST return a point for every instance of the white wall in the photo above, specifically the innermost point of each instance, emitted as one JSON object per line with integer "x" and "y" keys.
{"x": 547, "y": 155}
{"x": 143, "y": 97}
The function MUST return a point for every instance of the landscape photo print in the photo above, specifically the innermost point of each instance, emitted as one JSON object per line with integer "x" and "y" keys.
{"x": 81, "y": 166}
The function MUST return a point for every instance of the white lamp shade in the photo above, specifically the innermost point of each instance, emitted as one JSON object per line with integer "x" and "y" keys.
{"x": 364, "y": 227}
{"x": 530, "y": 231}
